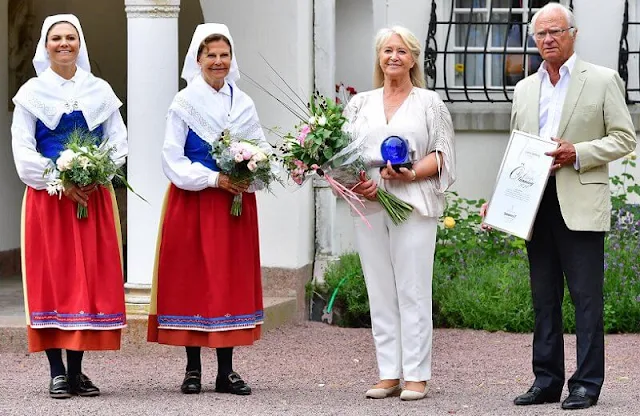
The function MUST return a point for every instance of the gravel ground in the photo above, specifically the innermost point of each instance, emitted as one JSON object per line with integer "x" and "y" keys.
{"x": 315, "y": 369}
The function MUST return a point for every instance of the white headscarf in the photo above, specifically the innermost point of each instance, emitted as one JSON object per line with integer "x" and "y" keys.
{"x": 191, "y": 68}
{"x": 41, "y": 59}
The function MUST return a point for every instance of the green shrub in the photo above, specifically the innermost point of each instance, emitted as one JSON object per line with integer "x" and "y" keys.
{"x": 351, "y": 305}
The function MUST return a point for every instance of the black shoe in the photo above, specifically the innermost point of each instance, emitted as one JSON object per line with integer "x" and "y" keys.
{"x": 59, "y": 387}
{"x": 579, "y": 399}
{"x": 536, "y": 395}
{"x": 233, "y": 384}
{"x": 192, "y": 383}
{"x": 82, "y": 386}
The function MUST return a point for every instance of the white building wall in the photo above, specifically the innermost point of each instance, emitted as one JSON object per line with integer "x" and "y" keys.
{"x": 354, "y": 49}
{"x": 282, "y": 32}
{"x": 12, "y": 188}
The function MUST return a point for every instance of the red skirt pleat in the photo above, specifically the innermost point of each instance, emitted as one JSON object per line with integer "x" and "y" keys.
{"x": 73, "y": 273}
{"x": 209, "y": 289}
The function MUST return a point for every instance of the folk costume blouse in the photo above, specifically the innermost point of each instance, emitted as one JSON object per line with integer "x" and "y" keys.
{"x": 44, "y": 101}
{"x": 196, "y": 119}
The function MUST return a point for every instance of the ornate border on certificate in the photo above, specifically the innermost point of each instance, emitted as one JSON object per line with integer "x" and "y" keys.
{"x": 520, "y": 184}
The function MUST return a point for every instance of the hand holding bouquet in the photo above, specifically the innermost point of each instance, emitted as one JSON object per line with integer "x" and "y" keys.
{"x": 86, "y": 160}
{"x": 245, "y": 163}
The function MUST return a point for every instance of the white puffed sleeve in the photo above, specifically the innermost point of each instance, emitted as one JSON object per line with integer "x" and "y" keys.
{"x": 177, "y": 167}
{"x": 30, "y": 164}
{"x": 115, "y": 132}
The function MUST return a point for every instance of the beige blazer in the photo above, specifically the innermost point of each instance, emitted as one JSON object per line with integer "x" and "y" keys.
{"x": 595, "y": 118}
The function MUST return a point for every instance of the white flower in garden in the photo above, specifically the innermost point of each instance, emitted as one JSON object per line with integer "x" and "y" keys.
{"x": 312, "y": 120}
{"x": 322, "y": 121}
{"x": 65, "y": 159}
{"x": 252, "y": 165}
{"x": 238, "y": 157}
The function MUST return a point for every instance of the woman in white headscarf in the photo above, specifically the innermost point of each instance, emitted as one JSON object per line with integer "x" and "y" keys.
{"x": 207, "y": 291}
{"x": 72, "y": 269}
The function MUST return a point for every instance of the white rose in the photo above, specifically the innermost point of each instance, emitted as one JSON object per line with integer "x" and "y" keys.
{"x": 65, "y": 159}
{"x": 322, "y": 121}
{"x": 260, "y": 156}
{"x": 84, "y": 162}
{"x": 252, "y": 165}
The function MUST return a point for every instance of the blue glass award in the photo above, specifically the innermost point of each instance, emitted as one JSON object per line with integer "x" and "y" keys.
{"x": 395, "y": 149}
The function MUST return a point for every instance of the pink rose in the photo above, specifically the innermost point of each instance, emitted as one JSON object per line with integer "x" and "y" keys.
{"x": 303, "y": 134}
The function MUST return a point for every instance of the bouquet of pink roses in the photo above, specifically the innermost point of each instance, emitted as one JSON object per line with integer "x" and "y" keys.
{"x": 245, "y": 162}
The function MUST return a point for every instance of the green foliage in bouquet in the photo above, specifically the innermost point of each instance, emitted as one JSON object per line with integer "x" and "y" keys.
{"x": 86, "y": 159}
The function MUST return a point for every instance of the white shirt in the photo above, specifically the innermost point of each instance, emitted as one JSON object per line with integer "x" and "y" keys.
{"x": 30, "y": 164}
{"x": 424, "y": 121}
{"x": 552, "y": 99}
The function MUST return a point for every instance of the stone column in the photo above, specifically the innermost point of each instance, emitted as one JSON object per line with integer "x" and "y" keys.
{"x": 324, "y": 41}
{"x": 152, "y": 82}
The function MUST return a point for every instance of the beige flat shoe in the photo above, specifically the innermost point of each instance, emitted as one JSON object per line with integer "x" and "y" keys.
{"x": 383, "y": 393}
{"x": 413, "y": 395}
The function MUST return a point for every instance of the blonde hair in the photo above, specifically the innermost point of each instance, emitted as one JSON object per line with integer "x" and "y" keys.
{"x": 416, "y": 73}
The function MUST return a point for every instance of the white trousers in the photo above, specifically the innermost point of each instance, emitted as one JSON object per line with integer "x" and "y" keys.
{"x": 397, "y": 262}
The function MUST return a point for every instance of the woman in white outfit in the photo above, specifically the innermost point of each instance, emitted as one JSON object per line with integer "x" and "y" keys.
{"x": 398, "y": 260}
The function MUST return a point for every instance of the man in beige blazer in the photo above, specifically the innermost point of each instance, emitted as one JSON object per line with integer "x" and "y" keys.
{"x": 582, "y": 106}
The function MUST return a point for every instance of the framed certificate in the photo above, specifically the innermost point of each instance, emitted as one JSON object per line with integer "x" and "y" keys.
{"x": 521, "y": 181}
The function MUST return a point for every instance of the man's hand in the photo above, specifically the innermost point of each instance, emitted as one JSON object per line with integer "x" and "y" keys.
{"x": 564, "y": 155}
{"x": 233, "y": 187}
{"x": 483, "y": 213}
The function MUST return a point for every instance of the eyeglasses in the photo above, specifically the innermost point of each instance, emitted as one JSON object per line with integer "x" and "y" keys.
{"x": 554, "y": 33}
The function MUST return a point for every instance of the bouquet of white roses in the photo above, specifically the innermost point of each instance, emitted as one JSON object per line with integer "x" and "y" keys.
{"x": 244, "y": 162}
{"x": 85, "y": 160}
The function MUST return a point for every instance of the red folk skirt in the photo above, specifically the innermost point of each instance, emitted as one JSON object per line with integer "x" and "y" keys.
{"x": 72, "y": 272}
{"x": 207, "y": 288}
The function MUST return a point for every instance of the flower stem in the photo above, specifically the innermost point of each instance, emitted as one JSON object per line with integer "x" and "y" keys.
{"x": 82, "y": 212}
{"x": 236, "y": 205}
{"x": 397, "y": 209}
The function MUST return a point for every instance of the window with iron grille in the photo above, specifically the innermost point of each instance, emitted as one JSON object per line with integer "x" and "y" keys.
{"x": 629, "y": 52}
{"x": 477, "y": 50}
